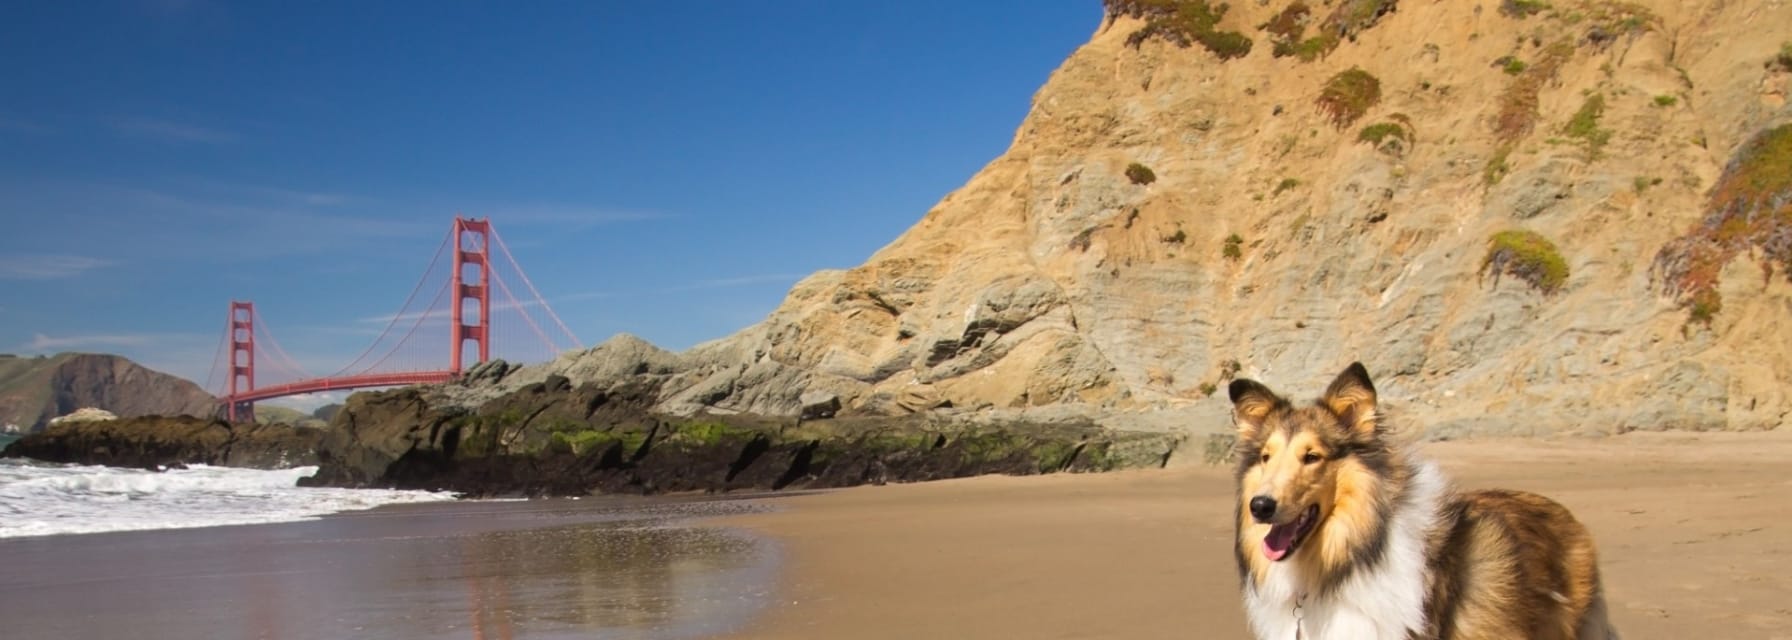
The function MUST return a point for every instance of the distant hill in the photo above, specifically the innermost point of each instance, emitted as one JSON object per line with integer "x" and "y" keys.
{"x": 35, "y": 389}
{"x": 270, "y": 414}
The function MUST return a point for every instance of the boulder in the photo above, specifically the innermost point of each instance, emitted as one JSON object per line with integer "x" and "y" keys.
{"x": 820, "y": 404}
{"x": 85, "y": 414}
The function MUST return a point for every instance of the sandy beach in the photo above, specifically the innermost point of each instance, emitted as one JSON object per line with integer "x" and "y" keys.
{"x": 1695, "y": 535}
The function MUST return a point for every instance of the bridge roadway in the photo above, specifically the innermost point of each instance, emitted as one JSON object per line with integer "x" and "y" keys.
{"x": 345, "y": 382}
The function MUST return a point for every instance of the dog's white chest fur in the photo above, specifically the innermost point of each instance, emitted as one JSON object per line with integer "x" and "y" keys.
{"x": 1383, "y": 601}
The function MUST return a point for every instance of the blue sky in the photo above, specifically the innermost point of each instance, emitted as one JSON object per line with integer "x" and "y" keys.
{"x": 663, "y": 169}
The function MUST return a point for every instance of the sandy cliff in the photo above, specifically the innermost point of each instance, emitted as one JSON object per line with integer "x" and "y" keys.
{"x": 1333, "y": 190}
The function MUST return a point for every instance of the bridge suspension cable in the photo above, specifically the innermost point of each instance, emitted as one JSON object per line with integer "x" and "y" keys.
{"x": 217, "y": 363}
{"x": 250, "y": 344}
{"x": 520, "y": 310}
{"x": 532, "y": 291}
{"x": 285, "y": 362}
{"x": 412, "y": 331}
{"x": 433, "y": 261}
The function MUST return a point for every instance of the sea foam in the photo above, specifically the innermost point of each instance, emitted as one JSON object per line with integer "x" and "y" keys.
{"x": 44, "y": 499}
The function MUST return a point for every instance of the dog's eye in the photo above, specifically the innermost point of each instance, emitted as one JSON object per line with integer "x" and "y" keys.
{"x": 1312, "y": 457}
{"x": 1264, "y": 459}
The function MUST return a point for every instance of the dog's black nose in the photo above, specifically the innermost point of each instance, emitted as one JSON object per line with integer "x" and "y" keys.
{"x": 1263, "y": 508}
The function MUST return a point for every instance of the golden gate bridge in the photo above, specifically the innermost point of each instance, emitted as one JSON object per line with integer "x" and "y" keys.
{"x": 461, "y": 314}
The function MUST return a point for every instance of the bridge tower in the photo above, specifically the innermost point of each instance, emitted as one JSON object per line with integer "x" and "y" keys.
{"x": 472, "y": 246}
{"x": 242, "y": 359}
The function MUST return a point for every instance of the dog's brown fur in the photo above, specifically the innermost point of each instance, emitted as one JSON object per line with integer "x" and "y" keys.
{"x": 1496, "y": 564}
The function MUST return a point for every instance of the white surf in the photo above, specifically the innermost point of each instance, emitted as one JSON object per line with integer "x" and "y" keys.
{"x": 47, "y": 499}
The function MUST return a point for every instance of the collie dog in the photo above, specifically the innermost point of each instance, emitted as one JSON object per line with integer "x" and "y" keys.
{"x": 1343, "y": 534}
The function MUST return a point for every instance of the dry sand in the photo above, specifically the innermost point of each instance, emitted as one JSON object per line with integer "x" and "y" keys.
{"x": 1695, "y": 535}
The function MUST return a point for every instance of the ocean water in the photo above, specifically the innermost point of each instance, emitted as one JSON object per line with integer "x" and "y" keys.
{"x": 327, "y": 564}
{"x": 38, "y": 499}
{"x": 613, "y": 568}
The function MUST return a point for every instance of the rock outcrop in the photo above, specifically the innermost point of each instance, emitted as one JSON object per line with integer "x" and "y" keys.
{"x": 85, "y": 414}
{"x": 1180, "y": 207}
{"x": 156, "y": 442}
{"x": 33, "y": 390}
{"x": 551, "y": 438}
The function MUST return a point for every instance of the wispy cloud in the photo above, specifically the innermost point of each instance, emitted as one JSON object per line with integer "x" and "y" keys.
{"x": 47, "y": 267}
{"x": 441, "y": 315}
{"x": 565, "y": 216}
{"x": 41, "y": 343}
{"x": 427, "y": 315}
{"x": 214, "y": 220}
{"x": 188, "y": 355}
{"x": 365, "y": 332}
{"x": 740, "y": 281}
{"x": 170, "y": 131}
{"x": 585, "y": 295}
{"x": 186, "y": 218}
{"x": 320, "y": 199}
{"x": 287, "y": 196}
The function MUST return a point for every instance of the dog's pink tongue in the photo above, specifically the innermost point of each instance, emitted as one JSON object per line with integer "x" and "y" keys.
{"x": 1280, "y": 538}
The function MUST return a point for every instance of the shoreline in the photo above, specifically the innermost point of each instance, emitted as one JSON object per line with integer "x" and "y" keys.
{"x": 629, "y": 566}
{"x": 1691, "y": 531}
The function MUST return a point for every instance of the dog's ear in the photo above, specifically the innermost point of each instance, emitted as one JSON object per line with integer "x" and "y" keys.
{"x": 1251, "y": 404}
{"x": 1352, "y": 398}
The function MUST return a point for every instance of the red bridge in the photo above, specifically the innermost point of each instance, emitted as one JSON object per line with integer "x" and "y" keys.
{"x": 474, "y": 273}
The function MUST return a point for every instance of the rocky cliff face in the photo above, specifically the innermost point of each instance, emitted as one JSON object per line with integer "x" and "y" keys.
{"x": 34, "y": 390}
{"x": 1524, "y": 217}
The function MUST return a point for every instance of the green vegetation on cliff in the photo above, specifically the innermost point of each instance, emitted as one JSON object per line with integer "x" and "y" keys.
{"x": 1140, "y": 174}
{"x": 1750, "y": 208}
{"x": 1584, "y": 126}
{"x": 1349, "y": 95}
{"x": 1183, "y": 23}
{"x": 1522, "y": 8}
{"x": 1518, "y": 103}
{"x": 1287, "y": 30}
{"x": 1381, "y": 133}
{"x": 1233, "y": 248}
{"x": 1529, "y": 257}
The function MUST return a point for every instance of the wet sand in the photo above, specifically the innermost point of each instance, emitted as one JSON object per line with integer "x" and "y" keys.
{"x": 610, "y": 568}
{"x": 1695, "y": 535}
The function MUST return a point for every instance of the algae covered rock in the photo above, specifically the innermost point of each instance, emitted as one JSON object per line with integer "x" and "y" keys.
{"x": 552, "y": 438}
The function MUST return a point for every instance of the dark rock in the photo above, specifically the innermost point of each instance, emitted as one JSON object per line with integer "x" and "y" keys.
{"x": 488, "y": 372}
{"x": 155, "y": 442}
{"x": 327, "y": 412}
{"x": 375, "y": 430}
{"x": 554, "y": 439}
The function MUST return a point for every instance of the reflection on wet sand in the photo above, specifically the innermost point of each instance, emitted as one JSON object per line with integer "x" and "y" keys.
{"x": 655, "y": 582}
{"x": 486, "y": 571}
